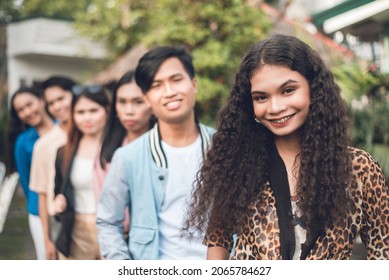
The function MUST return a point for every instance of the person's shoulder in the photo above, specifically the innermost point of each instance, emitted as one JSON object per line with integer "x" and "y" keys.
{"x": 132, "y": 151}
{"x": 27, "y": 133}
{"x": 360, "y": 156}
{"x": 55, "y": 132}
{"x": 137, "y": 144}
{"x": 208, "y": 129}
{"x": 141, "y": 140}
{"x": 26, "y": 136}
{"x": 60, "y": 152}
{"x": 21, "y": 138}
{"x": 55, "y": 138}
{"x": 363, "y": 161}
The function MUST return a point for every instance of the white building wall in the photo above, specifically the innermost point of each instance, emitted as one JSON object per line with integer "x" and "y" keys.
{"x": 385, "y": 55}
{"x": 41, "y": 47}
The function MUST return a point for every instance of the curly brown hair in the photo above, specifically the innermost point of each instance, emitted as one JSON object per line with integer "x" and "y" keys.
{"x": 236, "y": 167}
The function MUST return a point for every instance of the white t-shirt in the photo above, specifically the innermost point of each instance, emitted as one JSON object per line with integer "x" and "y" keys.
{"x": 183, "y": 164}
{"x": 299, "y": 232}
{"x": 81, "y": 178}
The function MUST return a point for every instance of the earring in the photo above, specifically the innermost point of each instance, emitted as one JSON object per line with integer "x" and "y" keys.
{"x": 256, "y": 120}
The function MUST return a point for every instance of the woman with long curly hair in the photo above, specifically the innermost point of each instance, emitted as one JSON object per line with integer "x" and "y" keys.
{"x": 281, "y": 180}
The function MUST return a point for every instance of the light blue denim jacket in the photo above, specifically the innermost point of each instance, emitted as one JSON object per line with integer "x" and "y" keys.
{"x": 137, "y": 178}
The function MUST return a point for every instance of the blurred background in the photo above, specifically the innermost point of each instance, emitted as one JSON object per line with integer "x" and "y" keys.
{"x": 96, "y": 41}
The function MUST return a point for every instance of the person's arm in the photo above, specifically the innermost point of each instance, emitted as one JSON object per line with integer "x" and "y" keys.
{"x": 39, "y": 182}
{"x": 219, "y": 244}
{"x": 217, "y": 253}
{"x": 60, "y": 201}
{"x": 23, "y": 164}
{"x": 58, "y": 179}
{"x": 111, "y": 211}
{"x": 376, "y": 198}
{"x": 51, "y": 251}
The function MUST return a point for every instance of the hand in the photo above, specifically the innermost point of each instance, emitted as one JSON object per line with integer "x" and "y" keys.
{"x": 51, "y": 251}
{"x": 60, "y": 204}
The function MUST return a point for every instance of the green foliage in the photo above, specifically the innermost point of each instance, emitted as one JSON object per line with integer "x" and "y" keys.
{"x": 354, "y": 80}
{"x": 381, "y": 154}
{"x": 209, "y": 98}
{"x": 370, "y": 112}
{"x": 367, "y": 95}
{"x": 62, "y": 9}
{"x": 120, "y": 23}
{"x": 8, "y": 10}
{"x": 217, "y": 33}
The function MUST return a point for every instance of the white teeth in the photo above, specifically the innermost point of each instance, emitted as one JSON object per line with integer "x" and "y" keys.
{"x": 282, "y": 120}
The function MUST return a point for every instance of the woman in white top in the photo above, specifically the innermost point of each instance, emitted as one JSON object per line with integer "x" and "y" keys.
{"x": 75, "y": 202}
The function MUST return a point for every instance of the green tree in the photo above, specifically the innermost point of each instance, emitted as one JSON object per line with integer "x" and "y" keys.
{"x": 217, "y": 33}
{"x": 367, "y": 95}
{"x": 354, "y": 80}
{"x": 60, "y": 9}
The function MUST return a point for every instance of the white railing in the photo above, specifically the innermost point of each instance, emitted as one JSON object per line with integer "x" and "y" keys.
{"x": 7, "y": 190}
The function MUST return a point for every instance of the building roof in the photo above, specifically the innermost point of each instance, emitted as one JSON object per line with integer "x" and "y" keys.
{"x": 329, "y": 50}
{"x": 365, "y": 19}
{"x": 121, "y": 65}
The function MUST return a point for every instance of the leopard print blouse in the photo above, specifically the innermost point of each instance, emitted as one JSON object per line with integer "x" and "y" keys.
{"x": 260, "y": 238}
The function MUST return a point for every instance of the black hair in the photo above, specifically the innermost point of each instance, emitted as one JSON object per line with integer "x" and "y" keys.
{"x": 66, "y": 83}
{"x": 16, "y": 126}
{"x": 236, "y": 167}
{"x": 114, "y": 131}
{"x": 96, "y": 93}
{"x": 63, "y": 82}
{"x": 150, "y": 62}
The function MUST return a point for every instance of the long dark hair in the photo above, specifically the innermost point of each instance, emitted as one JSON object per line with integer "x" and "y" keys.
{"x": 236, "y": 167}
{"x": 15, "y": 125}
{"x": 114, "y": 131}
{"x": 95, "y": 93}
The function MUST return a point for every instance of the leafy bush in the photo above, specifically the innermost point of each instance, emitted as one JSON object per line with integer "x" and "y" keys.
{"x": 367, "y": 95}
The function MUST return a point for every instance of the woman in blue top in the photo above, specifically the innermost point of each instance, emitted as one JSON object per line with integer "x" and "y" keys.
{"x": 27, "y": 122}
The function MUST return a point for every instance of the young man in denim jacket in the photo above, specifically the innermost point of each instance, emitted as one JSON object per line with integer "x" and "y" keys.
{"x": 154, "y": 174}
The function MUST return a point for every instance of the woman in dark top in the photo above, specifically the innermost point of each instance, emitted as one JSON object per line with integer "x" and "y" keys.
{"x": 75, "y": 202}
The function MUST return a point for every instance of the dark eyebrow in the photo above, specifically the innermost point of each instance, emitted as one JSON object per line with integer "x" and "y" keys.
{"x": 175, "y": 76}
{"x": 290, "y": 81}
{"x": 170, "y": 77}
